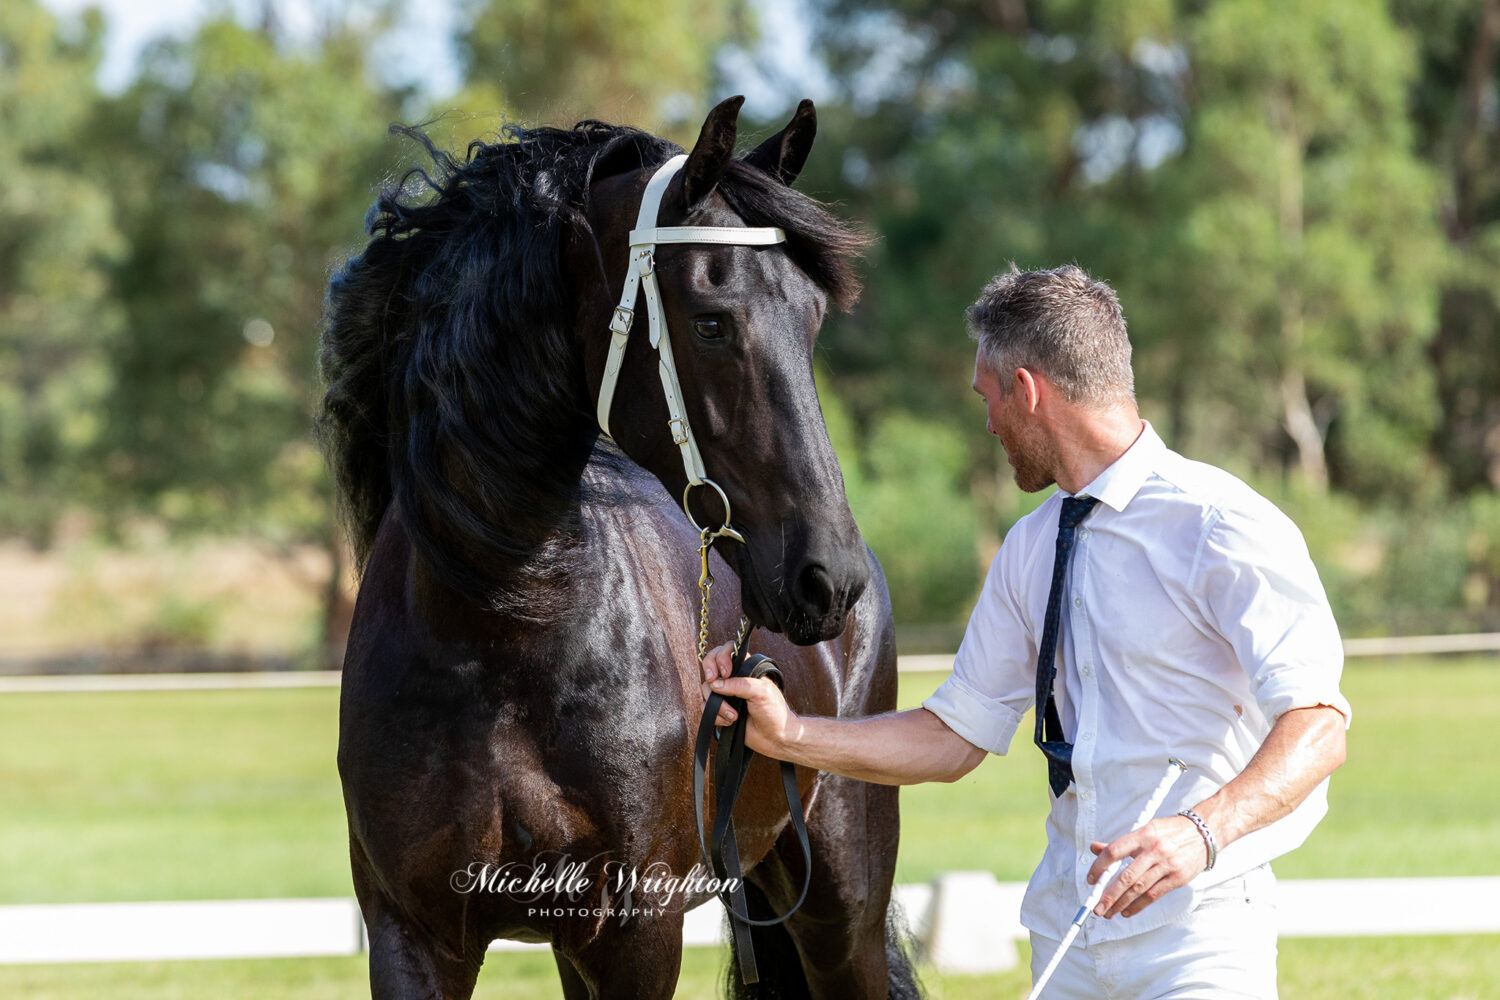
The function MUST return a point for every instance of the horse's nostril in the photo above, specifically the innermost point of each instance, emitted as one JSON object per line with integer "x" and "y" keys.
{"x": 815, "y": 589}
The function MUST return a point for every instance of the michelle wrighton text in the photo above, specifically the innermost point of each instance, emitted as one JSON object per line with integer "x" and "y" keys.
{"x": 596, "y": 883}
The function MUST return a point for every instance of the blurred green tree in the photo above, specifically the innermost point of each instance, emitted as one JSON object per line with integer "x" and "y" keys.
{"x": 906, "y": 486}
{"x": 1309, "y": 251}
{"x": 1244, "y": 175}
{"x": 644, "y": 62}
{"x": 1300, "y": 207}
{"x": 58, "y": 240}
{"x": 1455, "y": 108}
{"x": 974, "y": 134}
{"x": 241, "y": 166}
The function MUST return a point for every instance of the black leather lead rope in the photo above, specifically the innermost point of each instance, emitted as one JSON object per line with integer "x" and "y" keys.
{"x": 731, "y": 762}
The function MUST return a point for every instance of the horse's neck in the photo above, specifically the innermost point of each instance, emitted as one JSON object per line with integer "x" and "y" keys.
{"x": 625, "y": 614}
{"x": 619, "y": 511}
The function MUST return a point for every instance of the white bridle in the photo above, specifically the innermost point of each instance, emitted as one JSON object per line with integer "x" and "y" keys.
{"x": 641, "y": 270}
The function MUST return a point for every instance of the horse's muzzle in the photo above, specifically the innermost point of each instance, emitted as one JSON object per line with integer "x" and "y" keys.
{"x": 812, "y": 605}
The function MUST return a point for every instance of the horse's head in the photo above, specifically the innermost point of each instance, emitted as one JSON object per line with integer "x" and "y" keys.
{"x": 742, "y": 321}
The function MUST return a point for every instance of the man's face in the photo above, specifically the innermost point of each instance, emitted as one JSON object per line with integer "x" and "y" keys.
{"x": 1030, "y": 452}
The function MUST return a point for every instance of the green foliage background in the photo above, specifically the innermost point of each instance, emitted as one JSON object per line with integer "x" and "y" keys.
{"x": 1299, "y": 205}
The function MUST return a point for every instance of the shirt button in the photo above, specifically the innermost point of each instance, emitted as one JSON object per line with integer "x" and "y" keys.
{"x": 1077, "y": 602}
{"x": 1083, "y": 794}
{"x": 1086, "y": 736}
{"x": 1087, "y": 670}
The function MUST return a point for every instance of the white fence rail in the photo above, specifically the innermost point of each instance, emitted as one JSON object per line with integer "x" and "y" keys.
{"x": 1410, "y": 645}
{"x": 237, "y": 681}
{"x": 1419, "y": 645}
{"x": 962, "y": 921}
{"x": 128, "y": 932}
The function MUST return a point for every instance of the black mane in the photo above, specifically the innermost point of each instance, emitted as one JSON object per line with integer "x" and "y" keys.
{"x": 452, "y": 382}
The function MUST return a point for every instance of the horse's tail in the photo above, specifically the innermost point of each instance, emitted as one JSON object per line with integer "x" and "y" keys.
{"x": 353, "y": 417}
{"x": 780, "y": 964}
{"x": 898, "y": 961}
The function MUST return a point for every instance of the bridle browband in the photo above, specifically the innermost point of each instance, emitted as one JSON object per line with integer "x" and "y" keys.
{"x": 731, "y": 758}
{"x": 640, "y": 272}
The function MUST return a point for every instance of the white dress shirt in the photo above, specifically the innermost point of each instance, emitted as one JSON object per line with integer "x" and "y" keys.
{"x": 1192, "y": 618}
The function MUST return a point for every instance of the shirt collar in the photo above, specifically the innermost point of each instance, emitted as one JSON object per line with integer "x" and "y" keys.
{"x": 1117, "y": 485}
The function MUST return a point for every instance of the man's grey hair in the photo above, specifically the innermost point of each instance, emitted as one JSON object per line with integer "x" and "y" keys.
{"x": 1060, "y": 323}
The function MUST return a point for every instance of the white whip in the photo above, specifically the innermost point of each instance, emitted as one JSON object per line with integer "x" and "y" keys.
{"x": 1175, "y": 768}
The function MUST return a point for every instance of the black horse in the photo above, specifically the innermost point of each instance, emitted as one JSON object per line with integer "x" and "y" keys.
{"x": 521, "y": 684}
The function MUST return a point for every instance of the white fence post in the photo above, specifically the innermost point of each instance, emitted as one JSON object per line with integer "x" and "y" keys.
{"x": 971, "y": 924}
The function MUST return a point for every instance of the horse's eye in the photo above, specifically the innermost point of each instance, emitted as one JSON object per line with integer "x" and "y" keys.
{"x": 708, "y": 329}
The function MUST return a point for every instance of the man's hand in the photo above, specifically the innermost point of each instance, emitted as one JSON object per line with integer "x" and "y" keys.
{"x": 897, "y": 748}
{"x": 1165, "y": 854}
{"x": 1304, "y": 746}
{"x": 771, "y": 723}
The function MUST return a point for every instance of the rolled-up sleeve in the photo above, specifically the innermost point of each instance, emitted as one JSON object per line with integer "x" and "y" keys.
{"x": 991, "y": 686}
{"x": 1260, "y": 591}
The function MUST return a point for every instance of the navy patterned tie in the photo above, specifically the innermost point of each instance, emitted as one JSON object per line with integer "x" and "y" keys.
{"x": 1049, "y": 735}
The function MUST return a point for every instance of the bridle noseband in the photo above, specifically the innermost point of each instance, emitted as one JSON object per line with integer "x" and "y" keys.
{"x": 640, "y": 272}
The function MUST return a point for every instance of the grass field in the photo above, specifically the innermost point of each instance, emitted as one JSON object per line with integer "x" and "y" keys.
{"x": 1457, "y": 968}
{"x": 1461, "y": 968}
{"x": 205, "y": 795}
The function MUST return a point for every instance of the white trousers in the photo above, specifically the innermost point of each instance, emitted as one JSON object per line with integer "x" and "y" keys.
{"x": 1225, "y": 948}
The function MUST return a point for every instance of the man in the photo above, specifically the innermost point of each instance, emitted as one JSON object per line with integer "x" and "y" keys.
{"x": 1182, "y": 617}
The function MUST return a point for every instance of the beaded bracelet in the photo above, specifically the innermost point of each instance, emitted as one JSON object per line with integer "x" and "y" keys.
{"x": 1208, "y": 837}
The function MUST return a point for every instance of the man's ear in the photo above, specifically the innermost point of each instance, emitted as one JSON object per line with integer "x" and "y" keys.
{"x": 1029, "y": 386}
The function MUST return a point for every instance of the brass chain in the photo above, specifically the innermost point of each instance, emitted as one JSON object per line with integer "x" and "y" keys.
{"x": 705, "y": 587}
{"x": 706, "y": 538}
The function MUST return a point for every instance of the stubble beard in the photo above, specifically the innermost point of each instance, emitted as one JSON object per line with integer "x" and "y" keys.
{"x": 1033, "y": 460}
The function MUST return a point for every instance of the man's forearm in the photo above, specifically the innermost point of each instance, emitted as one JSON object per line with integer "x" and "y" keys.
{"x": 899, "y": 748}
{"x": 1305, "y": 746}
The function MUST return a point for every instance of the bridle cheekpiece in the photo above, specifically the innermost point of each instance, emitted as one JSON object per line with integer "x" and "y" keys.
{"x": 640, "y": 271}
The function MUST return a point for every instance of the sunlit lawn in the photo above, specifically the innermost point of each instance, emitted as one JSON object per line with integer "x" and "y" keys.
{"x": 206, "y": 795}
{"x": 507, "y": 977}
{"x": 1411, "y": 968}
{"x": 170, "y": 795}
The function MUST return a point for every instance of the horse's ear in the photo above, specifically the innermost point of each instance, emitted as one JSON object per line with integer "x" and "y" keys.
{"x": 712, "y": 153}
{"x": 784, "y": 154}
